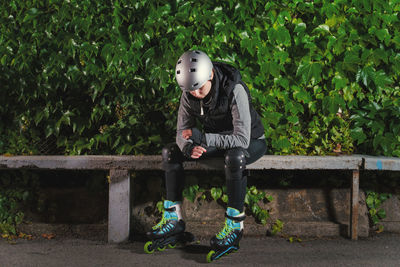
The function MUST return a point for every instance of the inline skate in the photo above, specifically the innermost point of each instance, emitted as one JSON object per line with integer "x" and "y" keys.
{"x": 228, "y": 239}
{"x": 169, "y": 231}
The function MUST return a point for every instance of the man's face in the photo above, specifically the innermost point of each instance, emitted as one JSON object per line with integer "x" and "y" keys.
{"x": 203, "y": 91}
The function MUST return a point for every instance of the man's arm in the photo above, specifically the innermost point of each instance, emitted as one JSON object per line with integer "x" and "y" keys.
{"x": 241, "y": 121}
{"x": 185, "y": 122}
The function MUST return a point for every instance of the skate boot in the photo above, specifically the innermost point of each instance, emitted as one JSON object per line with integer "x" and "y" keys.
{"x": 169, "y": 231}
{"x": 227, "y": 240}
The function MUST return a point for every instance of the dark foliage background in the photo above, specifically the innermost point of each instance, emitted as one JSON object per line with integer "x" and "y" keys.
{"x": 97, "y": 77}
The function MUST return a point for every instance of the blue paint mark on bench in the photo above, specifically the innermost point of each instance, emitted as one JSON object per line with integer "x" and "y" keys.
{"x": 379, "y": 164}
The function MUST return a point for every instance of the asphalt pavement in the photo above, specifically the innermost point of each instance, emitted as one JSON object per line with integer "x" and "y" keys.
{"x": 380, "y": 250}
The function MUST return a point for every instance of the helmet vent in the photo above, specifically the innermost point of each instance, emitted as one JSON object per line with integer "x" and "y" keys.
{"x": 178, "y": 72}
{"x": 193, "y": 59}
{"x": 180, "y": 61}
{"x": 194, "y": 85}
{"x": 197, "y": 52}
{"x": 192, "y": 70}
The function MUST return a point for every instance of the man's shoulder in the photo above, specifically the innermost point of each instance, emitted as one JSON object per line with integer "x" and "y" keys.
{"x": 240, "y": 91}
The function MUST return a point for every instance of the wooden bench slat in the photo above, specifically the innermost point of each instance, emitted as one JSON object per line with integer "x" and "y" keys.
{"x": 381, "y": 163}
{"x": 154, "y": 163}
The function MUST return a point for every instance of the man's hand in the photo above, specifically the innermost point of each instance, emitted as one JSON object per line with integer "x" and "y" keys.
{"x": 193, "y": 149}
{"x": 197, "y": 152}
{"x": 186, "y": 134}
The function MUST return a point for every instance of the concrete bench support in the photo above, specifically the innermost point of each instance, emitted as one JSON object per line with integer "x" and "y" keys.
{"x": 119, "y": 211}
{"x": 354, "y": 204}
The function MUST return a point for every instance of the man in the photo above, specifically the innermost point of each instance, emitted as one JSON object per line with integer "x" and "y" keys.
{"x": 215, "y": 96}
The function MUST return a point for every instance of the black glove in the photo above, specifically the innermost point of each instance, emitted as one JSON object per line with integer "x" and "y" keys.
{"x": 198, "y": 138}
{"x": 187, "y": 150}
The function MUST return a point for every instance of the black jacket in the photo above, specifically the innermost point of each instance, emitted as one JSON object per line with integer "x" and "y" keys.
{"x": 227, "y": 115}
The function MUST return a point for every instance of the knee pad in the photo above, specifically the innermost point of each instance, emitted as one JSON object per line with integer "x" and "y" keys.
{"x": 171, "y": 157}
{"x": 171, "y": 153}
{"x": 235, "y": 160}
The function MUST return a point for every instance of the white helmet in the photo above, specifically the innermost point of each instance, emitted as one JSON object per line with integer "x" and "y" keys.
{"x": 193, "y": 70}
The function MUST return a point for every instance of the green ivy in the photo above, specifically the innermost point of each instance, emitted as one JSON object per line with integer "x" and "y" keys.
{"x": 277, "y": 227}
{"x": 191, "y": 192}
{"x": 374, "y": 201}
{"x": 16, "y": 188}
{"x": 252, "y": 200}
{"x": 98, "y": 77}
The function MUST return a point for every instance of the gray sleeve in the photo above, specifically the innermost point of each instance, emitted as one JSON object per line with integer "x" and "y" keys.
{"x": 185, "y": 121}
{"x": 241, "y": 121}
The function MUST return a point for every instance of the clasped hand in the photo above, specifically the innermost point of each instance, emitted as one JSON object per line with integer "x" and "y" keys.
{"x": 197, "y": 151}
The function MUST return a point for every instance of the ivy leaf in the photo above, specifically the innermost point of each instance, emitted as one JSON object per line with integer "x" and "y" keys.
{"x": 160, "y": 206}
{"x": 310, "y": 72}
{"x": 255, "y": 209}
{"x": 248, "y": 45}
{"x": 375, "y": 219}
{"x": 339, "y": 82}
{"x": 370, "y": 199}
{"x": 351, "y": 61}
{"x": 301, "y": 27}
{"x": 323, "y": 28}
{"x": 273, "y": 117}
{"x": 269, "y": 198}
{"x": 283, "y": 143}
{"x": 381, "y": 79}
{"x": 191, "y": 192}
{"x": 378, "y": 142}
{"x": 224, "y": 198}
{"x": 383, "y": 34}
{"x": 301, "y": 94}
{"x": 365, "y": 75}
{"x": 372, "y": 212}
{"x": 331, "y": 104}
{"x": 283, "y": 36}
{"x": 293, "y": 119}
{"x": 216, "y": 193}
{"x": 31, "y": 14}
{"x": 358, "y": 135}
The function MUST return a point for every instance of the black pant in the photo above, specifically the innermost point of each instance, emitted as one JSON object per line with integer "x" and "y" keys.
{"x": 236, "y": 179}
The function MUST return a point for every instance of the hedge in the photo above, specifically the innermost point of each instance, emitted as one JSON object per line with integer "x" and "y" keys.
{"x": 97, "y": 77}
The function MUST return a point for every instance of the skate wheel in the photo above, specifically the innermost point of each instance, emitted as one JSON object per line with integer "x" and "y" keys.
{"x": 172, "y": 245}
{"x": 210, "y": 256}
{"x": 148, "y": 247}
{"x": 161, "y": 248}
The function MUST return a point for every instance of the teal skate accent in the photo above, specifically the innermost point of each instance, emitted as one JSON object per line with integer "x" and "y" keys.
{"x": 168, "y": 215}
{"x": 230, "y": 226}
{"x": 225, "y": 251}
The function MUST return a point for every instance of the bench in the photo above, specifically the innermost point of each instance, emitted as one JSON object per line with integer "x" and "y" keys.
{"x": 120, "y": 166}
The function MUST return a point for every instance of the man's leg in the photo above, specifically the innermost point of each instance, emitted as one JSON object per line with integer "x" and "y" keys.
{"x": 236, "y": 180}
{"x": 228, "y": 238}
{"x": 172, "y": 159}
{"x": 171, "y": 223}
{"x": 256, "y": 150}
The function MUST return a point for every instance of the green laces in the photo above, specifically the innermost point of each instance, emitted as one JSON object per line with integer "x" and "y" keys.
{"x": 165, "y": 218}
{"x": 161, "y": 223}
{"x": 226, "y": 230}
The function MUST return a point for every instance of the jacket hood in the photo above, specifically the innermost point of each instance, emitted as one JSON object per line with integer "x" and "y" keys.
{"x": 225, "y": 78}
{"x": 227, "y": 75}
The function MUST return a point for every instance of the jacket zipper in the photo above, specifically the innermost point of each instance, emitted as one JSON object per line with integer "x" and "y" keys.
{"x": 201, "y": 108}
